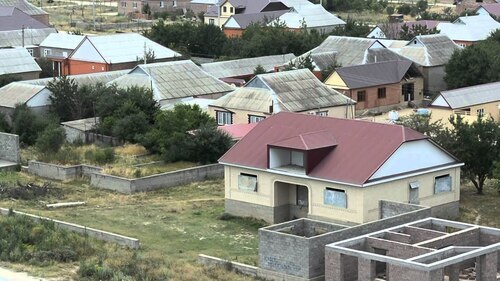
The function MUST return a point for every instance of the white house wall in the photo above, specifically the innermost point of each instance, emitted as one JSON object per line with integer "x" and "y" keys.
{"x": 87, "y": 52}
{"x": 412, "y": 156}
{"x": 279, "y": 157}
{"x": 440, "y": 101}
{"x": 376, "y": 33}
{"x": 40, "y": 99}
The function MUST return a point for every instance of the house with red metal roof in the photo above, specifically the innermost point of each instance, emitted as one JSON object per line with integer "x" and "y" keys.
{"x": 295, "y": 165}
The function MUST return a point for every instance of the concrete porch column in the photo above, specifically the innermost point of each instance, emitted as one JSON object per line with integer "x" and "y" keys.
{"x": 366, "y": 270}
{"x": 486, "y": 267}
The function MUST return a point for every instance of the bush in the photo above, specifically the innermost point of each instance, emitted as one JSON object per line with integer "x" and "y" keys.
{"x": 27, "y": 125}
{"x": 100, "y": 156}
{"x": 404, "y": 9}
{"x": 4, "y": 125}
{"x": 50, "y": 140}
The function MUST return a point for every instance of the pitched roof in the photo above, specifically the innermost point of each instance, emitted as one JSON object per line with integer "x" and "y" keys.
{"x": 374, "y": 74}
{"x": 112, "y": 48}
{"x": 18, "y": 93}
{"x": 362, "y": 146}
{"x": 242, "y": 21}
{"x": 32, "y": 37}
{"x": 242, "y": 67}
{"x": 17, "y": 60}
{"x": 175, "y": 79}
{"x": 298, "y": 90}
{"x": 469, "y": 96}
{"x": 470, "y": 28}
{"x": 248, "y": 6}
{"x": 237, "y": 131}
{"x": 246, "y": 98}
{"x": 392, "y": 30}
{"x": 24, "y": 6}
{"x": 313, "y": 16}
{"x": 12, "y": 18}
{"x": 308, "y": 141}
{"x": 83, "y": 79}
{"x": 62, "y": 41}
{"x": 493, "y": 8}
{"x": 429, "y": 50}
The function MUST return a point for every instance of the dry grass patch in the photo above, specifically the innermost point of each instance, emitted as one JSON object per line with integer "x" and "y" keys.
{"x": 480, "y": 209}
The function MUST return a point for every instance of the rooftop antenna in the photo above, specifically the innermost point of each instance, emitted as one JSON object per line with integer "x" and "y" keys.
{"x": 145, "y": 61}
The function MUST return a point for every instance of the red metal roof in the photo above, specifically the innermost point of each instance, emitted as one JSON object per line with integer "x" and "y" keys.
{"x": 362, "y": 146}
{"x": 237, "y": 131}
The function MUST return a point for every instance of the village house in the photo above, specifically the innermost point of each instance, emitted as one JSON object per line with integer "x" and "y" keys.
{"x": 297, "y": 165}
{"x": 469, "y": 30}
{"x": 492, "y": 10}
{"x": 35, "y": 97}
{"x": 202, "y": 6}
{"x": 289, "y": 91}
{"x": 18, "y": 62}
{"x": 104, "y": 53}
{"x": 134, "y": 8}
{"x": 470, "y": 102}
{"x": 239, "y": 71}
{"x": 392, "y": 30}
{"x": 174, "y": 82}
{"x": 379, "y": 87}
{"x": 470, "y": 5}
{"x": 29, "y": 9}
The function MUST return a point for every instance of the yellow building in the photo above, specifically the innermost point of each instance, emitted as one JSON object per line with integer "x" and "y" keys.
{"x": 290, "y": 91}
{"x": 471, "y": 102}
{"x": 295, "y": 165}
{"x": 220, "y": 13}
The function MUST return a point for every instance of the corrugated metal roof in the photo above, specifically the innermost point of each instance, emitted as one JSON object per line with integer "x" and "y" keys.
{"x": 308, "y": 141}
{"x": 180, "y": 79}
{"x": 374, "y": 74}
{"x": 127, "y": 47}
{"x": 470, "y": 28}
{"x": 493, "y": 8}
{"x": 207, "y": 2}
{"x": 32, "y": 37}
{"x": 243, "y": 67}
{"x": 237, "y": 131}
{"x": 324, "y": 60}
{"x": 11, "y": 18}
{"x": 242, "y": 21}
{"x": 17, "y": 60}
{"x": 17, "y": 93}
{"x": 83, "y": 125}
{"x": 62, "y": 41}
{"x": 362, "y": 146}
{"x": 24, "y": 6}
{"x": 313, "y": 16}
{"x": 469, "y": 96}
{"x": 429, "y": 50}
{"x": 299, "y": 90}
{"x": 247, "y": 98}
{"x": 84, "y": 79}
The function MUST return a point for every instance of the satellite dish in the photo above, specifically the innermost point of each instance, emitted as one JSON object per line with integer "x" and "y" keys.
{"x": 393, "y": 116}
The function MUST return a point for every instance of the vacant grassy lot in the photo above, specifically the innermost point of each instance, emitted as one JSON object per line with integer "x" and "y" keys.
{"x": 176, "y": 224}
{"x": 480, "y": 209}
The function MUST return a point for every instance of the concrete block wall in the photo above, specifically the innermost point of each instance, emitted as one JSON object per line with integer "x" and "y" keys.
{"x": 92, "y": 232}
{"x": 389, "y": 209}
{"x": 9, "y": 148}
{"x": 60, "y": 172}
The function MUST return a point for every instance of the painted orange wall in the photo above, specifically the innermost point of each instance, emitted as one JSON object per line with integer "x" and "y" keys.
{"x": 84, "y": 67}
{"x": 230, "y": 32}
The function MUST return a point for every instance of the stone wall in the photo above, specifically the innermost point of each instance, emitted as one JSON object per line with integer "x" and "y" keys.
{"x": 9, "y": 148}
{"x": 92, "y": 232}
{"x": 305, "y": 257}
{"x": 59, "y": 172}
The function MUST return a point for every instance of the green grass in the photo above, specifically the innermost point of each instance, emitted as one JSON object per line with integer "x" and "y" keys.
{"x": 480, "y": 209}
{"x": 176, "y": 223}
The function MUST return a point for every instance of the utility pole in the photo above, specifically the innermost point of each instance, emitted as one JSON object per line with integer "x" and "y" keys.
{"x": 93, "y": 11}
{"x": 145, "y": 61}
{"x": 22, "y": 31}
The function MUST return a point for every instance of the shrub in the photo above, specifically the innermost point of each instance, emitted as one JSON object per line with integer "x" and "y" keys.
{"x": 100, "y": 156}
{"x": 50, "y": 140}
{"x": 4, "y": 125}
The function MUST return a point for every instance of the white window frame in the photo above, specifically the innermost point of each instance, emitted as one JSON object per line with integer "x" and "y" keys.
{"x": 255, "y": 118}
{"x": 335, "y": 197}
{"x": 480, "y": 112}
{"x": 162, "y": 4}
{"x": 47, "y": 52}
{"x": 224, "y": 118}
{"x": 439, "y": 184}
{"x": 174, "y": 3}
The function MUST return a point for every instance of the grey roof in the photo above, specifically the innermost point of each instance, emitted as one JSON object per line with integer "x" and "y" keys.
{"x": 249, "y": 6}
{"x": 470, "y": 28}
{"x": 32, "y": 37}
{"x": 493, "y": 8}
{"x": 298, "y": 90}
{"x": 313, "y": 16}
{"x": 374, "y": 74}
{"x": 24, "y": 6}
{"x": 83, "y": 125}
{"x": 62, "y": 41}
{"x": 246, "y": 98}
{"x": 179, "y": 79}
{"x": 17, "y": 60}
{"x": 17, "y": 93}
{"x": 242, "y": 21}
{"x": 242, "y": 67}
{"x": 84, "y": 79}
{"x": 11, "y": 18}
{"x": 429, "y": 50}
{"x": 468, "y": 96}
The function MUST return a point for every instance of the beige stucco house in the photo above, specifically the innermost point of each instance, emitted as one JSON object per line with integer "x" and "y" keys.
{"x": 289, "y": 91}
{"x": 470, "y": 102}
{"x": 294, "y": 165}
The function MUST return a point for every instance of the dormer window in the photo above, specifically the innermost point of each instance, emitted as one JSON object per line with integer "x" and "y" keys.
{"x": 286, "y": 159}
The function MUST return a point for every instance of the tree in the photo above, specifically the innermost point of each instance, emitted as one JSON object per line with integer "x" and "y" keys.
{"x": 150, "y": 57}
{"x": 475, "y": 144}
{"x": 50, "y": 140}
{"x": 146, "y": 10}
{"x": 389, "y": 10}
{"x": 259, "y": 69}
{"x": 329, "y": 70}
{"x": 351, "y": 28}
{"x": 208, "y": 144}
{"x": 422, "y": 5}
{"x": 46, "y": 66}
{"x": 6, "y": 79}
{"x": 408, "y": 33}
{"x": 404, "y": 9}
{"x": 4, "y": 125}
{"x": 421, "y": 123}
{"x": 27, "y": 125}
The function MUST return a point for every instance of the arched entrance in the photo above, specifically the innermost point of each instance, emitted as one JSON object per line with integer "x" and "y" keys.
{"x": 291, "y": 201}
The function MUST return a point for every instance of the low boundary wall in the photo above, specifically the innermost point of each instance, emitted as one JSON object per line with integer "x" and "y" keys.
{"x": 124, "y": 185}
{"x": 92, "y": 232}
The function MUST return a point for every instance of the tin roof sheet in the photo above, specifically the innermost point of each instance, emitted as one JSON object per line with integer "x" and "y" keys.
{"x": 17, "y": 93}
{"x": 244, "y": 67}
{"x": 469, "y": 96}
{"x": 17, "y": 60}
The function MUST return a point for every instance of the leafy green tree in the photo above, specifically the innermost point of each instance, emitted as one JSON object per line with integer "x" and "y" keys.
{"x": 422, "y": 123}
{"x": 6, "y": 79}
{"x": 352, "y": 28}
{"x": 389, "y": 10}
{"x": 326, "y": 72}
{"x": 408, "y": 33}
{"x": 259, "y": 69}
{"x": 4, "y": 125}
{"x": 146, "y": 10}
{"x": 27, "y": 125}
{"x": 404, "y": 9}
{"x": 208, "y": 144}
{"x": 50, "y": 140}
{"x": 468, "y": 67}
{"x": 46, "y": 66}
{"x": 422, "y": 5}
{"x": 475, "y": 144}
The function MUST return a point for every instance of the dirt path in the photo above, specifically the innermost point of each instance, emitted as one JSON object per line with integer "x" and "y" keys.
{"x": 9, "y": 275}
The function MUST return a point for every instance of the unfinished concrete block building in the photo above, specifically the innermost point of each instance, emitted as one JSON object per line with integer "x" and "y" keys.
{"x": 426, "y": 250}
